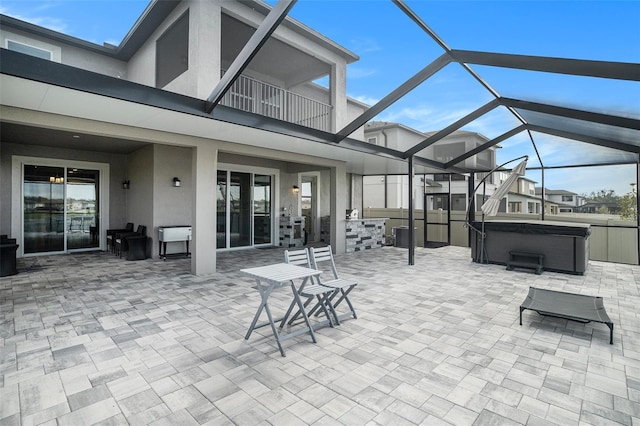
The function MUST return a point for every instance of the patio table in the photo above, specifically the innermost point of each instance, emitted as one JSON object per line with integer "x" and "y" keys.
{"x": 275, "y": 276}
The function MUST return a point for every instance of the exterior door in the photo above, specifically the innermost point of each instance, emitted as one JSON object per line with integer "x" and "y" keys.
{"x": 437, "y": 219}
{"x": 244, "y": 209}
{"x": 60, "y": 209}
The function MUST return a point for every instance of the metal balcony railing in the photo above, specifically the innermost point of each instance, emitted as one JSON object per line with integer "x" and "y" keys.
{"x": 248, "y": 94}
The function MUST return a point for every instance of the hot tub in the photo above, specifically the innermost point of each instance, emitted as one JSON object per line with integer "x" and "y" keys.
{"x": 565, "y": 246}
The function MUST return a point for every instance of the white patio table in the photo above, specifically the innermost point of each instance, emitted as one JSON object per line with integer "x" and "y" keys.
{"x": 275, "y": 276}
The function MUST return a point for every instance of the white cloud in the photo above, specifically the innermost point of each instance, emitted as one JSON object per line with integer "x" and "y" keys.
{"x": 365, "y": 99}
{"x": 355, "y": 72}
{"x": 51, "y": 23}
{"x": 364, "y": 45}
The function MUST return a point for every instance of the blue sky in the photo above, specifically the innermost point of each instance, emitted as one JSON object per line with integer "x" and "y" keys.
{"x": 392, "y": 48}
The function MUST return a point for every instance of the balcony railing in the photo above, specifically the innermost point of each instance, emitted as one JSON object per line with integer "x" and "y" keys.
{"x": 248, "y": 94}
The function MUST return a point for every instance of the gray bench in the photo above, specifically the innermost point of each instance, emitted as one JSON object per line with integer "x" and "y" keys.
{"x": 571, "y": 306}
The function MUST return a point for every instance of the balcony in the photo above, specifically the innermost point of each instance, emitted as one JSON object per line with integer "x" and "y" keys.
{"x": 248, "y": 94}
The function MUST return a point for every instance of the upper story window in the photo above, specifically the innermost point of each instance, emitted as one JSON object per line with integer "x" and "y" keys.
{"x": 448, "y": 151}
{"x": 29, "y": 50}
{"x": 567, "y": 198}
{"x": 485, "y": 159}
{"x": 444, "y": 177}
{"x": 172, "y": 51}
{"x": 373, "y": 141}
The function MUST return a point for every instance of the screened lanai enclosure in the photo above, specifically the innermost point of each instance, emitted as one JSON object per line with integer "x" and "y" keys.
{"x": 576, "y": 117}
{"x": 557, "y": 82}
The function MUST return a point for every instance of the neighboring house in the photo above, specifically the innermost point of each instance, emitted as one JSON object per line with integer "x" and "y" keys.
{"x": 391, "y": 190}
{"x": 522, "y": 197}
{"x": 124, "y": 128}
{"x": 566, "y": 201}
{"x": 599, "y": 207}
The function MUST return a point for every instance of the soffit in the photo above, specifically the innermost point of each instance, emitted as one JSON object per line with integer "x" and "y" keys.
{"x": 152, "y": 124}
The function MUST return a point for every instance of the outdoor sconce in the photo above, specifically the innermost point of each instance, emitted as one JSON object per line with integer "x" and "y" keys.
{"x": 125, "y": 184}
{"x": 296, "y": 189}
{"x": 176, "y": 182}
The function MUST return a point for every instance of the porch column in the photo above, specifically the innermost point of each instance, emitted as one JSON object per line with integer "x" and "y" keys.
{"x": 205, "y": 43}
{"x": 203, "y": 209}
{"x": 338, "y": 88}
{"x": 339, "y": 197}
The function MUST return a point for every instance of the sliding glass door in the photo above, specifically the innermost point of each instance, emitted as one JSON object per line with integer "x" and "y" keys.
{"x": 60, "y": 209}
{"x": 82, "y": 208}
{"x": 244, "y": 209}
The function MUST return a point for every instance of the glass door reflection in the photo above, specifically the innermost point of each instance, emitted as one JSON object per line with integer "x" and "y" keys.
{"x": 261, "y": 209}
{"x": 240, "y": 209}
{"x": 43, "y": 209}
{"x": 82, "y": 206}
{"x": 221, "y": 221}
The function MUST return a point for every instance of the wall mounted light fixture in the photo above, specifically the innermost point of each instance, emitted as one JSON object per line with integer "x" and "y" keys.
{"x": 176, "y": 182}
{"x": 296, "y": 189}
{"x": 125, "y": 184}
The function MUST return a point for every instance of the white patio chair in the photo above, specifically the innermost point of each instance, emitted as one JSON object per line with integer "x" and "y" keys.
{"x": 342, "y": 287}
{"x": 310, "y": 290}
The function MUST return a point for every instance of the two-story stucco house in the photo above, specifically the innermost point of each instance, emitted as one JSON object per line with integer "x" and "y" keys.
{"x": 391, "y": 190}
{"x": 566, "y": 201}
{"x": 101, "y": 135}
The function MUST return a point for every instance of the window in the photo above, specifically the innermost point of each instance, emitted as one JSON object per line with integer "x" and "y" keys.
{"x": 444, "y": 177}
{"x": 373, "y": 141}
{"x": 459, "y": 202}
{"x": 484, "y": 159}
{"x": 448, "y": 151}
{"x": 567, "y": 198}
{"x": 515, "y": 207}
{"x": 28, "y": 50}
{"x": 172, "y": 52}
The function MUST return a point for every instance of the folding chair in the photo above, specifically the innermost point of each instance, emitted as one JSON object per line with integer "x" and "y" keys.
{"x": 309, "y": 290}
{"x": 341, "y": 287}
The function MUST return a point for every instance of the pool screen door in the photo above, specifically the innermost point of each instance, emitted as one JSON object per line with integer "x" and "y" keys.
{"x": 437, "y": 219}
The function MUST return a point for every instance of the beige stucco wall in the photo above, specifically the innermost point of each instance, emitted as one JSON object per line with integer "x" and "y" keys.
{"x": 117, "y": 167}
{"x": 171, "y": 205}
{"x": 139, "y": 198}
{"x": 67, "y": 54}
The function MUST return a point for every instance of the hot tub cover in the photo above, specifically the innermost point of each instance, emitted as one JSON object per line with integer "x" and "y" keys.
{"x": 537, "y": 227}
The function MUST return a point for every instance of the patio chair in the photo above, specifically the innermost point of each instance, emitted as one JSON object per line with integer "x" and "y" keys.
{"x": 342, "y": 287}
{"x": 310, "y": 290}
{"x": 121, "y": 243}
{"x": 111, "y": 235}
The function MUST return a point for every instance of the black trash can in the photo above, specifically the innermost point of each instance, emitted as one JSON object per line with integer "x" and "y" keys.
{"x": 8, "y": 248}
{"x": 401, "y": 236}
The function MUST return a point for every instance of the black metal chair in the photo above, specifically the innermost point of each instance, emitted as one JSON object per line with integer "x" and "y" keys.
{"x": 111, "y": 235}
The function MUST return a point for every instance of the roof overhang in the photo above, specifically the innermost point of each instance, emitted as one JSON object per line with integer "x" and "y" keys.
{"x": 29, "y": 84}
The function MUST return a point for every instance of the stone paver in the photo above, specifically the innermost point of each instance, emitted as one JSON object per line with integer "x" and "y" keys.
{"x": 90, "y": 338}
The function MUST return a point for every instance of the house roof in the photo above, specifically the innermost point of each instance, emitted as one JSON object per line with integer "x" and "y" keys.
{"x": 153, "y": 15}
{"x": 554, "y": 191}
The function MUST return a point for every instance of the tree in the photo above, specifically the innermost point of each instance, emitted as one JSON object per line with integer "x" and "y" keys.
{"x": 603, "y": 196}
{"x": 628, "y": 207}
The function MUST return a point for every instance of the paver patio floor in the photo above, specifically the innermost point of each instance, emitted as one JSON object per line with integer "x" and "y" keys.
{"x": 93, "y": 339}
